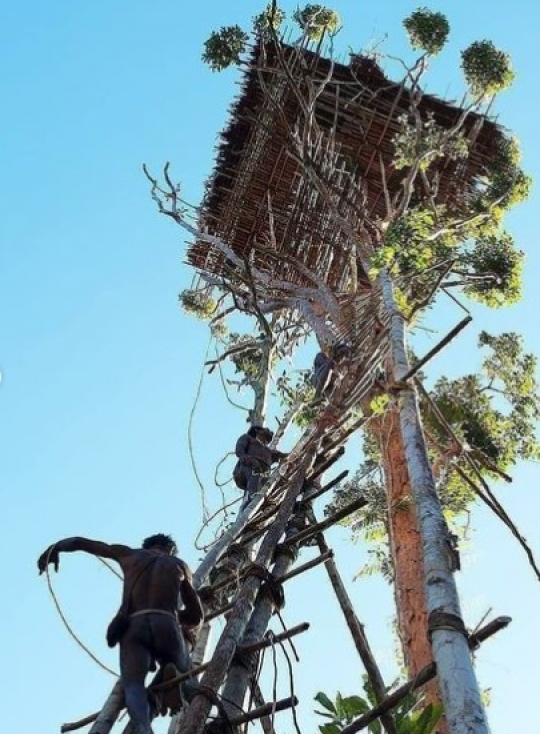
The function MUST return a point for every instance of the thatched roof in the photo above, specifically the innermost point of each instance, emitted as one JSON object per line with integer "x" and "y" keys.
{"x": 358, "y": 113}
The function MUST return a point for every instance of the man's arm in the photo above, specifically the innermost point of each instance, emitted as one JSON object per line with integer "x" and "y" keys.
{"x": 321, "y": 360}
{"x": 242, "y": 449}
{"x": 242, "y": 446}
{"x": 193, "y": 614}
{"x": 115, "y": 552}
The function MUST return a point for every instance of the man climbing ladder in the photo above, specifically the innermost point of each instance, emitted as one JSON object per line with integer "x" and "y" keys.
{"x": 148, "y": 623}
{"x": 255, "y": 458}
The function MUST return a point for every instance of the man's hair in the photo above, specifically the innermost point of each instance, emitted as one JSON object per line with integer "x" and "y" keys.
{"x": 160, "y": 540}
{"x": 254, "y": 430}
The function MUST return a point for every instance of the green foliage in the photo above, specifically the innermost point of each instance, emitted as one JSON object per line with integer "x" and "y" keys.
{"x": 219, "y": 330}
{"x": 316, "y": 20}
{"x": 198, "y": 303}
{"x": 370, "y": 523}
{"x": 509, "y": 185}
{"x": 502, "y": 186}
{"x": 298, "y": 390}
{"x": 410, "y": 717}
{"x": 379, "y": 404}
{"x": 494, "y": 412}
{"x": 406, "y": 240}
{"x": 268, "y": 19}
{"x": 247, "y": 355}
{"x": 409, "y": 246}
{"x": 470, "y": 412}
{"x": 427, "y": 30}
{"x": 487, "y": 69}
{"x": 224, "y": 47}
{"x": 425, "y": 143}
{"x": 496, "y": 266}
{"x": 422, "y": 239}
{"x": 512, "y": 373}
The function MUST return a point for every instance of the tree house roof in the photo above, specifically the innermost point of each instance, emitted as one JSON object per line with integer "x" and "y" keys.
{"x": 263, "y": 204}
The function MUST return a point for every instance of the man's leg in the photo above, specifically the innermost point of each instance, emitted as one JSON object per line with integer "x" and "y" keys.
{"x": 322, "y": 380}
{"x": 135, "y": 660}
{"x": 252, "y": 484}
{"x": 170, "y": 649}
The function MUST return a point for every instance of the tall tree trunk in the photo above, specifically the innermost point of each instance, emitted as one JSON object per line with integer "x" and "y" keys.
{"x": 261, "y": 384}
{"x": 459, "y": 688}
{"x": 407, "y": 557}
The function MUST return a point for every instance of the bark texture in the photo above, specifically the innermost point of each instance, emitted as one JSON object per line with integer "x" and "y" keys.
{"x": 459, "y": 689}
{"x": 407, "y": 557}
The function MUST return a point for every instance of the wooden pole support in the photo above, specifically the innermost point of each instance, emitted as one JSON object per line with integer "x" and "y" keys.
{"x": 437, "y": 348}
{"x": 309, "y": 498}
{"x": 314, "y": 495}
{"x": 78, "y": 724}
{"x": 265, "y": 642}
{"x": 291, "y": 574}
{"x": 426, "y": 674}
{"x": 325, "y": 524}
{"x": 266, "y": 710}
{"x": 326, "y": 464}
{"x": 266, "y": 516}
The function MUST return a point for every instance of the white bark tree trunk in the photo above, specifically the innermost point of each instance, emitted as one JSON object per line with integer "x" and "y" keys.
{"x": 261, "y": 384}
{"x": 459, "y": 689}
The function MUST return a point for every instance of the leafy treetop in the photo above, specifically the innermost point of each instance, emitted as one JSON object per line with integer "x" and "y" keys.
{"x": 427, "y": 30}
{"x": 270, "y": 18}
{"x": 487, "y": 69}
{"x": 316, "y": 20}
{"x": 199, "y": 303}
{"x": 224, "y": 47}
{"x": 495, "y": 411}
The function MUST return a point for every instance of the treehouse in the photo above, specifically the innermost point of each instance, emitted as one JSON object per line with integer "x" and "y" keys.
{"x": 307, "y": 166}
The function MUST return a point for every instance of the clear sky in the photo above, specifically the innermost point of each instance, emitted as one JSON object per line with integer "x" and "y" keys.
{"x": 100, "y": 368}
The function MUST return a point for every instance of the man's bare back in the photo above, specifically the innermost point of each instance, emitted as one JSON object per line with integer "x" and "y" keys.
{"x": 154, "y": 582}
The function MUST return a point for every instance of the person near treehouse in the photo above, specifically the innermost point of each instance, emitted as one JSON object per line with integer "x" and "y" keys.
{"x": 326, "y": 368}
{"x": 255, "y": 459}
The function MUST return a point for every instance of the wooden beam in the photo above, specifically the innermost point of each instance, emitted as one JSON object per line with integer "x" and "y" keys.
{"x": 291, "y": 574}
{"x": 425, "y": 675}
{"x": 239, "y": 650}
{"x": 325, "y": 524}
{"x": 266, "y": 710}
{"x": 437, "y": 348}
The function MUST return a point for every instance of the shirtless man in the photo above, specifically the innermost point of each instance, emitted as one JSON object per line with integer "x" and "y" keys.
{"x": 154, "y": 581}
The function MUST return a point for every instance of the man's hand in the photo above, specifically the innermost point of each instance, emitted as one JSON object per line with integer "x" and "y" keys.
{"x": 51, "y": 555}
{"x": 188, "y": 576}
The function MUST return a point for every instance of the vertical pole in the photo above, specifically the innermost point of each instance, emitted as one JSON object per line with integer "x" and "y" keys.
{"x": 196, "y": 716}
{"x": 459, "y": 688}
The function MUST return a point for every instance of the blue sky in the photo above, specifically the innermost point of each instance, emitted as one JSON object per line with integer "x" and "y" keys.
{"x": 100, "y": 368}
